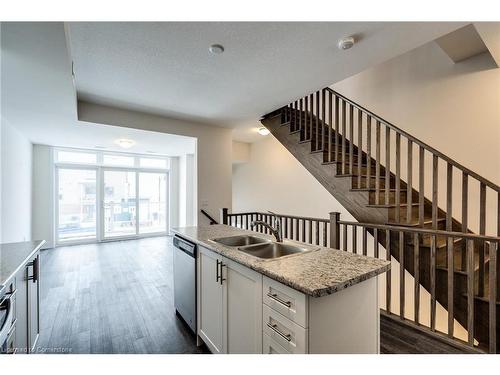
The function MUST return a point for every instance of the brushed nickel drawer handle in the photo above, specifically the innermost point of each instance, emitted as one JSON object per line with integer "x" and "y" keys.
{"x": 274, "y": 327}
{"x": 279, "y": 300}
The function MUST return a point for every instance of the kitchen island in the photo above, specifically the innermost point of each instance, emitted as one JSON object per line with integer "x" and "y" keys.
{"x": 320, "y": 301}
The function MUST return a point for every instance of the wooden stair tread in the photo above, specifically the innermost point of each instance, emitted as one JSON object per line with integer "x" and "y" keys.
{"x": 381, "y": 190}
{"x": 444, "y": 269}
{"x": 441, "y": 242}
{"x": 390, "y": 205}
{"x": 362, "y": 176}
{"x": 482, "y": 299}
{"x": 416, "y": 224}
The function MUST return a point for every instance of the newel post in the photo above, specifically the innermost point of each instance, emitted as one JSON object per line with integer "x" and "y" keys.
{"x": 334, "y": 230}
{"x": 223, "y": 216}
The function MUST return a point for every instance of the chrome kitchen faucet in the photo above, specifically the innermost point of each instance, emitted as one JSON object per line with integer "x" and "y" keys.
{"x": 275, "y": 230}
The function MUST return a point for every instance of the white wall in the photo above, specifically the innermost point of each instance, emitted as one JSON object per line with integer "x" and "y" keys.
{"x": 274, "y": 180}
{"x": 43, "y": 195}
{"x": 212, "y": 182}
{"x": 174, "y": 192}
{"x": 241, "y": 152}
{"x": 16, "y": 188}
{"x": 452, "y": 107}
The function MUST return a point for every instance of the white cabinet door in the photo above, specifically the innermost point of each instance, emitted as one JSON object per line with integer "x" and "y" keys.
{"x": 242, "y": 303}
{"x": 210, "y": 315}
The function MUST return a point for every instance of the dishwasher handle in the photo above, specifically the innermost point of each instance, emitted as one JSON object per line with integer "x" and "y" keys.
{"x": 185, "y": 246}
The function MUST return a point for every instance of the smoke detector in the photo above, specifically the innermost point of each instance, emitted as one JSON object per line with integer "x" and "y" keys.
{"x": 346, "y": 43}
{"x": 216, "y": 49}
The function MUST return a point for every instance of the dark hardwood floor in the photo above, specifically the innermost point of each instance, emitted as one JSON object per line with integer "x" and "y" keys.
{"x": 114, "y": 297}
{"x": 117, "y": 297}
{"x": 398, "y": 338}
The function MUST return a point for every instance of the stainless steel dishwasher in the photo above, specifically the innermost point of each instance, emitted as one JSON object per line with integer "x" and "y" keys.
{"x": 185, "y": 280}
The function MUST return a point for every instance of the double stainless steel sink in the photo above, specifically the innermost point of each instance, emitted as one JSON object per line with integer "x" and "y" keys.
{"x": 263, "y": 248}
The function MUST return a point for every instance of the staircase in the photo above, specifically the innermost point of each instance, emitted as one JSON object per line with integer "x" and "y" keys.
{"x": 380, "y": 174}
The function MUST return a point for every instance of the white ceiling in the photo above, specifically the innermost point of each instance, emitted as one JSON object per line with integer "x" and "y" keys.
{"x": 165, "y": 68}
{"x": 38, "y": 96}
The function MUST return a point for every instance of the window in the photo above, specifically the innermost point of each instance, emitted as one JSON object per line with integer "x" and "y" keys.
{"x": 118, "y": 160}
{"x": 76, "y": 157}
{"x": 108, "y": 195}
{"x": 152, "y": 202}
{"x": 119, "y": 203}
{"x": 153, "y": 163}
{"x": 76, "y": 204}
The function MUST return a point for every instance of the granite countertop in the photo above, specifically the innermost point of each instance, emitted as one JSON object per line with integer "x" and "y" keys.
{"x": 13, "y": 256}
{"x": 317, "y": 273}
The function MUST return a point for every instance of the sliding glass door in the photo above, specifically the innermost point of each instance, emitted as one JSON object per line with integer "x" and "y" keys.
{"x": 152, "y": 202}
{"x": 119, "y": 203}
{"x": 108, "y": 196}
{"x": 76, "y": 204}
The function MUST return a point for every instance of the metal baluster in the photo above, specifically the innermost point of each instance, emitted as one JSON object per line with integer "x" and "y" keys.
{"x": 344, "y": 151}
{"x": 433, "y": 282}
{"x": 416, "y": 273}
{"x": 398, "y": 178}
{"x": 482, "y": 230}
{"x": 369, "y": 150}
{"x": 470, "y": 292}
{"x": 387, "y": 164}
{"x": 377, "y": 163}
{"x": 351, "y": 139}
{"x": 401, "y": 275}
{"x": 354, "y": 239}
{"x": 465, "y": 204}
{"x": 360, "y": 146}
{"x": 388, "y": 273}
{"x": 493, "y": 296}
{"x": 409, "y": 187}
{"x": 365, "y": 238}
{"x": 421, "y": 186}
{"x": 330, "y": 125}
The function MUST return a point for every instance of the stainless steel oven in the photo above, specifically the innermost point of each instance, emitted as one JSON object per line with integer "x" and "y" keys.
{"x": 7, "y": 326}
{"x": 185, "y": 280}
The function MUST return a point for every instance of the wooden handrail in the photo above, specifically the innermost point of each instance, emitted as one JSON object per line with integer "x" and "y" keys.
{"x": 212, "y": 220}
{"x": 399, "y": 243}
{"x": 443, "y": 233}
{"x": 431, "y": 149}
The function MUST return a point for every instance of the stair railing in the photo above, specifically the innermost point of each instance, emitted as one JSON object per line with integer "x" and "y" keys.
{"x": 207, "y": 215}
{"x": 410, "y": 247}
{"x": 315, "y": 231}
{"x": 368, "y": 148}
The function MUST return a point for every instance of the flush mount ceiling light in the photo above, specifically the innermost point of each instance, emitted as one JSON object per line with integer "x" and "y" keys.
{"x": 125, "y": 143}
{"x": 216, "y": 49}
{"x": 346, "y": 43}
{"x": 263, "y": 131}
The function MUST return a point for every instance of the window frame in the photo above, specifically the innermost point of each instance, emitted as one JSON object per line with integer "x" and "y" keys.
{"x": 100, "y": 167}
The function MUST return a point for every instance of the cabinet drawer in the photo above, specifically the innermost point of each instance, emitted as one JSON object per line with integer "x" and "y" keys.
{"x": 288, "y": 334}
{"x": 269, "y": 346}
{"x": 287, "y": 301}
